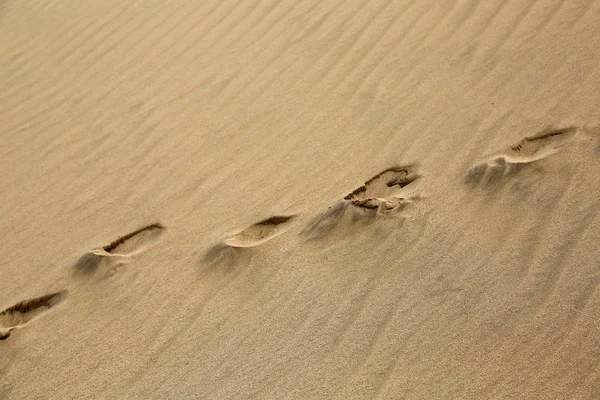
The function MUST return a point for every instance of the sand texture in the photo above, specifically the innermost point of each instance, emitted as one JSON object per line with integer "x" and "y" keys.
{"x": 333, "y": 199}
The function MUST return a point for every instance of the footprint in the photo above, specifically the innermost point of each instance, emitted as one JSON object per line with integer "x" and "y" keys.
{"x": 526, "y": 151}
{"x": 383, "y": 192}
{"x": 21, "y": 313}
{"x": 260, "y": 232}
{"x": 122, "y": 248}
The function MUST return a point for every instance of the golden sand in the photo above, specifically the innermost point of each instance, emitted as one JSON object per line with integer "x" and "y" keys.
{"x": 478, "y": 279}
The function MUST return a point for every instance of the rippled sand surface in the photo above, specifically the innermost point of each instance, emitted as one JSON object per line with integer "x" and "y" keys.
{"x": 299, "y": 199}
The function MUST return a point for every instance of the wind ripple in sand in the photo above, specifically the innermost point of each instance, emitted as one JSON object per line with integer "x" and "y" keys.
{"x": 324, "y": 222}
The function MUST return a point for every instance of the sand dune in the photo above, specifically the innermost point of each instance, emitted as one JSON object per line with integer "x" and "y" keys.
{"x": 474, "y": 276}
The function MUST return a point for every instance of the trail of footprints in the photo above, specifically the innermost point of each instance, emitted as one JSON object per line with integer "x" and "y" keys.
{"x": 388, "y": 191}
{"x": 124, "y": 247}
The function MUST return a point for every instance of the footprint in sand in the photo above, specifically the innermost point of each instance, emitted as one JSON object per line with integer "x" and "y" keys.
{"x": 252, "y": 236}
{"x": 121, "y": 249}
{"x": 260, "y": 232}
{"x": 526, "y": 151}
{"x": 385, "y": 192}
{"x": 26, "y": 311}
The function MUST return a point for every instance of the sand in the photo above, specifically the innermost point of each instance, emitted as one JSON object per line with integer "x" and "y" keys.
{"x": 478, "y": 279}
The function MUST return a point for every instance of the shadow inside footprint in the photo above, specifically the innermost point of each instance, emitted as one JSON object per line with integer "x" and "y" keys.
{"x": 21, "y": 313}
{"x": 260, "y": 232}
{"x": 526, "y": 151}
{"x": 124, "y": 246}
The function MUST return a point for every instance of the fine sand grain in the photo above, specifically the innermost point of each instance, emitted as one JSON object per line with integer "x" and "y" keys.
{"x": 440, "y": 159}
